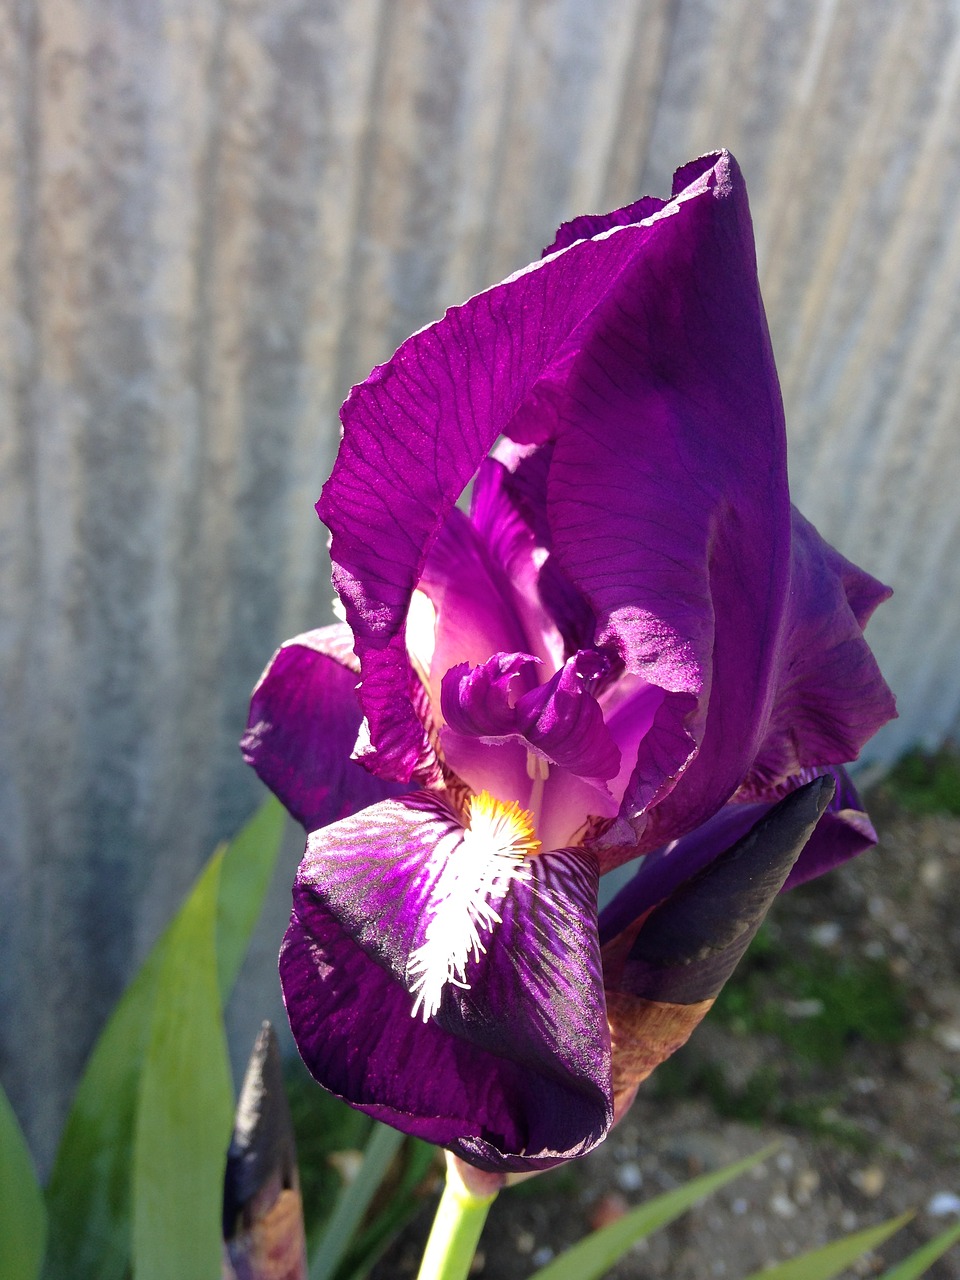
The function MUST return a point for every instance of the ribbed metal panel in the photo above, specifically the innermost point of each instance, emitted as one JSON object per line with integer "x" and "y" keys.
{"x": 217, "y": 214}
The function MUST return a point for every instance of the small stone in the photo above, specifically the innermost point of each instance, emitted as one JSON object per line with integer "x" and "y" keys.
{"x": 785, "y": 1162}
{"x": 740, "y": 1206}
{"x": 947, "y": 1035}
{"x": 806, "y": 1185}
{"x": 800, "y": 1009}
{"x": 826, "y": 934}
{"x": 542, "y": 1256}
{"x": 943, "y": 1204}
{"x": 870, "y": 1181}
{"x": 630, "y": 1176}
{"x": 524, "y": 1240}
{"x": 782, "y": 1205}
{"x": 931, "y": 874}
{"x": 609, "y": 1208}
{"x": 346, "y": 1163}
{"x": 848, "y": 1220}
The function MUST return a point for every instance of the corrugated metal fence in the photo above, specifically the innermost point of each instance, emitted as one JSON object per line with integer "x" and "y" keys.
{"x": 217, "y": 214}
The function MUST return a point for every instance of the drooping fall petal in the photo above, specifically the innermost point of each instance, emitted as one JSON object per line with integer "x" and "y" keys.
{"x": 493, "y": 1049}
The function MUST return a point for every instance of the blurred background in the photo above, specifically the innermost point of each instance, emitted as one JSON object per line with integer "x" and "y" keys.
{"x": 216, "y": 215}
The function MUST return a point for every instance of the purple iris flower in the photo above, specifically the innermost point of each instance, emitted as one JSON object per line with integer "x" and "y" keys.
{"x": 631, "y": 645}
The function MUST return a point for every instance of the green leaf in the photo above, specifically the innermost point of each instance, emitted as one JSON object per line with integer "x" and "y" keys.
{"x": 924, "y": 1257}
{"x": 23, "y": 1218}
{"x": 88, "y": 1198}
{"x": 185, "y": 1105}
{"x": 354, "y": 1200}
{"x": 248, "y": 866}
{"x": 829, "y": 1261}
{"x": 593, "y": 1257}
{"x": 420, "y": 1159}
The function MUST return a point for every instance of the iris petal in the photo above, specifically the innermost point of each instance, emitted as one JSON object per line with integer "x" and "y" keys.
{"x": 830, "y": 697}
{"x": 514, "y": 1069}
{"x": 303, "y": 723}
{"x": 419, "y": 427}
{"x": 668, "y": 497}
{"x": 560, "y": 721}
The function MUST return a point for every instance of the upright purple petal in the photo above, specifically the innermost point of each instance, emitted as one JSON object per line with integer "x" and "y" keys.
{"x": 418, "y": 428}
{"x": 830, "y": 695}
{"x": 589, "y": 225}
{"x": 481, "y": 581}
{"x": 513, "y": 542}
{"x": 303, "y": 724}
{"x": 512, "y": 1068}
{"x": 667, "y": 493}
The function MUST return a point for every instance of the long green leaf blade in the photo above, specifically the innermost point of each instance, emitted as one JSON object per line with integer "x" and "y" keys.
{"x": 23, "y": 1218}
{"x": 185, "y": 1105}
{"x": 369, "y": 1245}
{"x": 245, "y": 876}
{"x": 831, "y": 1259}
{"x": 925, "y": 1256}
{"x": 591, "y": 1258}
{"x": 88, "y": 1198}
{"x": 354, "y": 1200}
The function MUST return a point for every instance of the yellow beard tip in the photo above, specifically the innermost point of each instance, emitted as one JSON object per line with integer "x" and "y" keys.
{"x": 505, "y": 824}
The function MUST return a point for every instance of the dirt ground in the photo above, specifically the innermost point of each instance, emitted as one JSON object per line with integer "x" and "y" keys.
{"x": 869, "y": 1123}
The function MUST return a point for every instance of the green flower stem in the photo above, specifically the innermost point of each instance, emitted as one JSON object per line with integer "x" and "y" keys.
{"x": 455, "y": 1231}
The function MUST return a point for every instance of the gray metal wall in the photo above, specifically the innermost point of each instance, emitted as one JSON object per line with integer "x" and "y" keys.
{"x": 217, "y": 214}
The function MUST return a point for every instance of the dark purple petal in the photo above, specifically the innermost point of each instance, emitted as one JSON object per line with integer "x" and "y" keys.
{"x": 830, "y": 697}
{"x": 560, "y": 721}
{"x": 588, "y": 225}
{"x": 481, "y": 701}
{"x": 513, "y": 1070}
{"x": 843, "y": 832}
{"x": 417, "y": 430}
{"x": 303, "y": 724}
{"x": 524, "y": 485}
{"x": 389, "y": 690}
{"x": 667, "y": 494}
